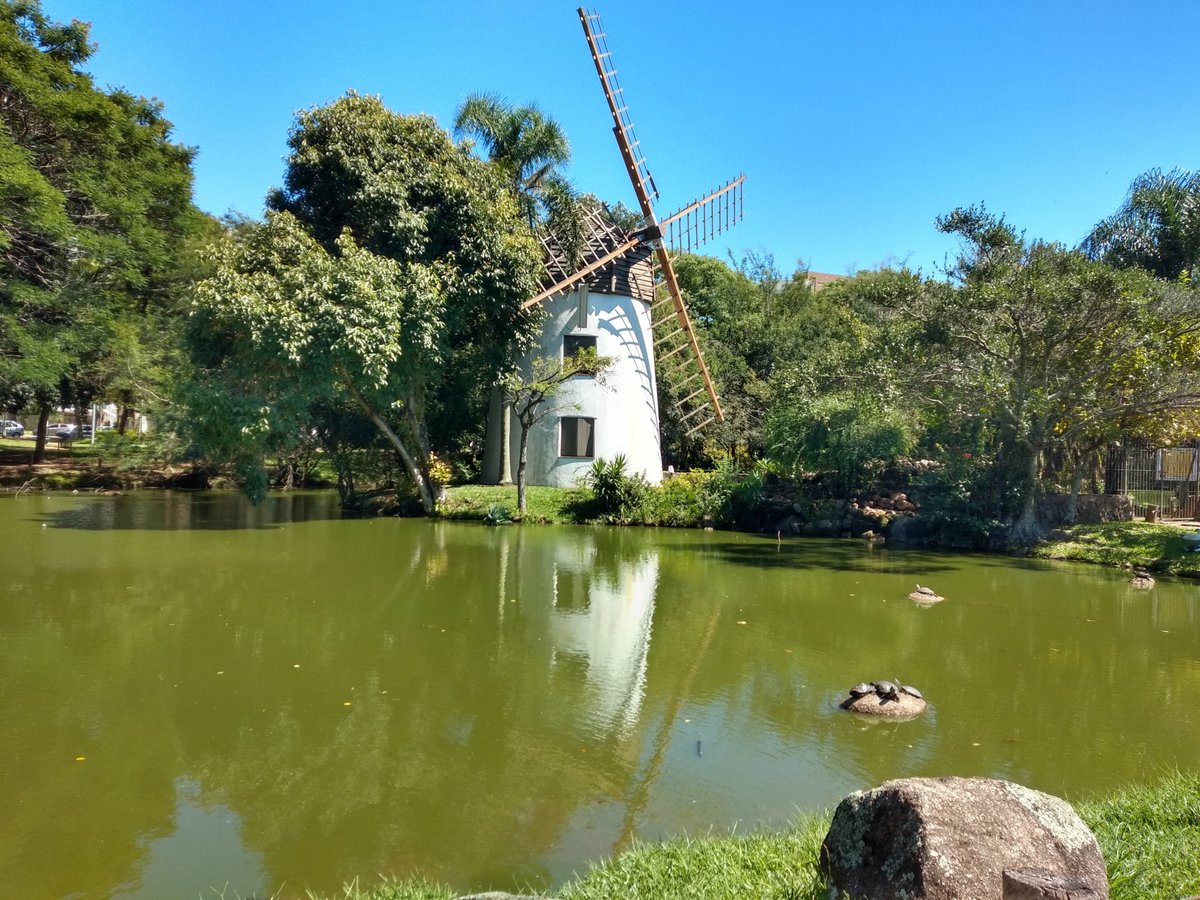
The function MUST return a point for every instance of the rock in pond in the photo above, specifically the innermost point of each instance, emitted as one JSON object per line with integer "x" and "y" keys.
{"x": 903, "y": 706}
{"x": 952, "y": 839}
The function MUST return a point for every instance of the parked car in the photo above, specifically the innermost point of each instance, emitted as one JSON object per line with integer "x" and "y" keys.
{"x": 13, "y": 429}
{"x": 67, "y": 432}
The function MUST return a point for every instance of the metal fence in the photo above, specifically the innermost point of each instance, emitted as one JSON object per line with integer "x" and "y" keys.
{"x": 1165, "y": 480}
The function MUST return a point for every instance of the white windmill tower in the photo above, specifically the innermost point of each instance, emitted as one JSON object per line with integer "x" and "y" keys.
{"x": 610, "y": 303}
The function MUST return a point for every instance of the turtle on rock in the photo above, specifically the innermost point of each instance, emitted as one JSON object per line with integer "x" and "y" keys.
{"x": 910, "y": 690}
{"x": 861, "y": 690}
{"x": 886, "y": 690}
{"x": 1142, "y": 579}
{"x": 925, "y": 595}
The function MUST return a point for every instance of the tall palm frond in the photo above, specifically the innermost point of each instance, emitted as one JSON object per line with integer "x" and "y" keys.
{"x": 522, "y": 141}
{"x": 1157, "y": 228}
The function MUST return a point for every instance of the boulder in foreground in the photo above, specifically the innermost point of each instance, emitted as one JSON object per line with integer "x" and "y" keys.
{"x": 952, "y": 839}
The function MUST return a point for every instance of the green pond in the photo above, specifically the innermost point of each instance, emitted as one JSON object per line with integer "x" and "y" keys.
{"x": 196, "y": 694}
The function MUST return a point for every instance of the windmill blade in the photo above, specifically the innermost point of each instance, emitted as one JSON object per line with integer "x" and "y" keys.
{"x": 687, "y": 345}
{"x": 705, "y": 218}
{"x": 635, "y": 162}
{"x": 643, "y": 184}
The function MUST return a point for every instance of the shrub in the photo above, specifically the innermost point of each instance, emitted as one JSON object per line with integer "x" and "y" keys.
{"x": 618, "y": 496}
{"x": 840, "y": 434}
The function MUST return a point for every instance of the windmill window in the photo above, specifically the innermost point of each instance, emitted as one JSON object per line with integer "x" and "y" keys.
{"x": 573, "y": 343}
{"x": 577, "y": 437}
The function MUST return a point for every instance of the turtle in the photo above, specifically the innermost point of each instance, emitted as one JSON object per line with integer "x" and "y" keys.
{"x": 910, "y": 690}
{"x": 1142, "y": 579}
{"x": 861, "y": 690}
{"x": 926, "y": 592}
{"x": 886, "y": 690}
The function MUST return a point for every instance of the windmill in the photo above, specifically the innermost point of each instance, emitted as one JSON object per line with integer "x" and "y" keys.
{"x": 624, "y": 300}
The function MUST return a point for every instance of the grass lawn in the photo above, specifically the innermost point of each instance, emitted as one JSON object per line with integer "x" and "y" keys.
{"x": 544, "y": 505}
{"x": 1150, "y": 837}
{"x": 1157, "y": 547}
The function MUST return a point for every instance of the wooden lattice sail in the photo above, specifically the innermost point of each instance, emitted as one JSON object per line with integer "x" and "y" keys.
{"x": 680, "y": 361}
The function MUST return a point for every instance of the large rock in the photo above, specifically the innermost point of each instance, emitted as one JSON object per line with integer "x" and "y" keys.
{"x": 904, "y": 706}
{"x": 952, "y": 839}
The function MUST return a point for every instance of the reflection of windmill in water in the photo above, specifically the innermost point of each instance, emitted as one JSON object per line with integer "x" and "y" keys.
{"x": 608, "y": 302}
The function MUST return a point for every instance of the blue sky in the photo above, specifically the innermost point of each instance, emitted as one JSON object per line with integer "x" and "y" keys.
{"x": 857, "y": 122}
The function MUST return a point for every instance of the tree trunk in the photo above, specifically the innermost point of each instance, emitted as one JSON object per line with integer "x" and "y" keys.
{"x": 414, "y": 471}
{"x": 505, "y": 443}
{"x": 39, "y": 447}
{"x": 521, "y": 470}
{"x": 1026, "y": 529}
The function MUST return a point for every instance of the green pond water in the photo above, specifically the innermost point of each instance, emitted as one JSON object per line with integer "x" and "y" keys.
{"x": 198, "y": 694}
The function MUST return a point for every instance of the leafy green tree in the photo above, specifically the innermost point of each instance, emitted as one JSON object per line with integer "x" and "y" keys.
{"x": 394, "y": 282}
{"x": 838, "y": 434}
{"x": 1045, "y": 347}
{"x": 767, "y": 339}
{"x": 294, "y": 326}
{"x": 1156, "y": 229}
{"x": 95, "y": 204}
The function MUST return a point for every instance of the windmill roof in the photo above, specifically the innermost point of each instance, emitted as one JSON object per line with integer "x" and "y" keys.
{"x": 630, "y": 274}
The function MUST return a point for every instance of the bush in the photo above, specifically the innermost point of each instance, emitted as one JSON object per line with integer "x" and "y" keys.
{"x": 618, "y": 496}
{"x": 840, "y": 434}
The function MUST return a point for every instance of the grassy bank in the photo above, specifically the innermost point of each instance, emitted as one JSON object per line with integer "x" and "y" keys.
{"x": 1150, "y": 837}
{"x": 1159, "y": 548}
{"x": 544, "y": 505}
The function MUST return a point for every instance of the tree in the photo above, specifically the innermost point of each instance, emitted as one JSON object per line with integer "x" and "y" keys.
{"x": 397, "y": 271}
{"x": 1156, "y": 229}
{"x": 294, "y": 326}
{"x": 526, "y": 145}
{"x": 529, "y": 395}
{"x": 1047, "y": 347}
{"x": 95, "y": 204}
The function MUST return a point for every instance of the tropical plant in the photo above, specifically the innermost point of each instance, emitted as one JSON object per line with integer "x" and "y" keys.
{"x": 522, "y": 142}
{"x": 1157, "y": 228}
{"x": 618, "y": 496}
{"x": 497, "y": 514}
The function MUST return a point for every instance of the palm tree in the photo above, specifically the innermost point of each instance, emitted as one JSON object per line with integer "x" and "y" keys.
{"x": 1157, "y": 228}
{"x": 521, "y": 141}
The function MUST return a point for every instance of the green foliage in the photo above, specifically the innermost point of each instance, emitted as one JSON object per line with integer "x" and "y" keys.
{"x": 545, "y": 505}
{"x": 389, "y": 276}
{"x": 618, "y": 496}
{"x": 1157, "y": 547}
{"x": 840, "y": 434}
{"x": 1157, "y": 228}
{"x": 769, "y": 865}
{"x": 95, "y": 218}
{"x": 498, "y": 514}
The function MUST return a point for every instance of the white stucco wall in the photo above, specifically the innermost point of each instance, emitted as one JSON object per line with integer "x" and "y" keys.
{"x": 625, "y": 405}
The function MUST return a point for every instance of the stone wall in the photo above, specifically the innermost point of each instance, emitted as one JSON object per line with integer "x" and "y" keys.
{"x": 1092, "y": 509}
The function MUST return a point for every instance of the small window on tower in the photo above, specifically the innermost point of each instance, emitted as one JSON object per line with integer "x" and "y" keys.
{"x": 577, "y": 437}
{"x": 573, "y": 343}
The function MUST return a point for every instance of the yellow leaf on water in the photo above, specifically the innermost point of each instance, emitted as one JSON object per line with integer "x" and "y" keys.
{"x": 295, "y": 665}
{"x": 741, "y": 621}
{"x": 347, "y": 703}
{"x": 80, "y": 758}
